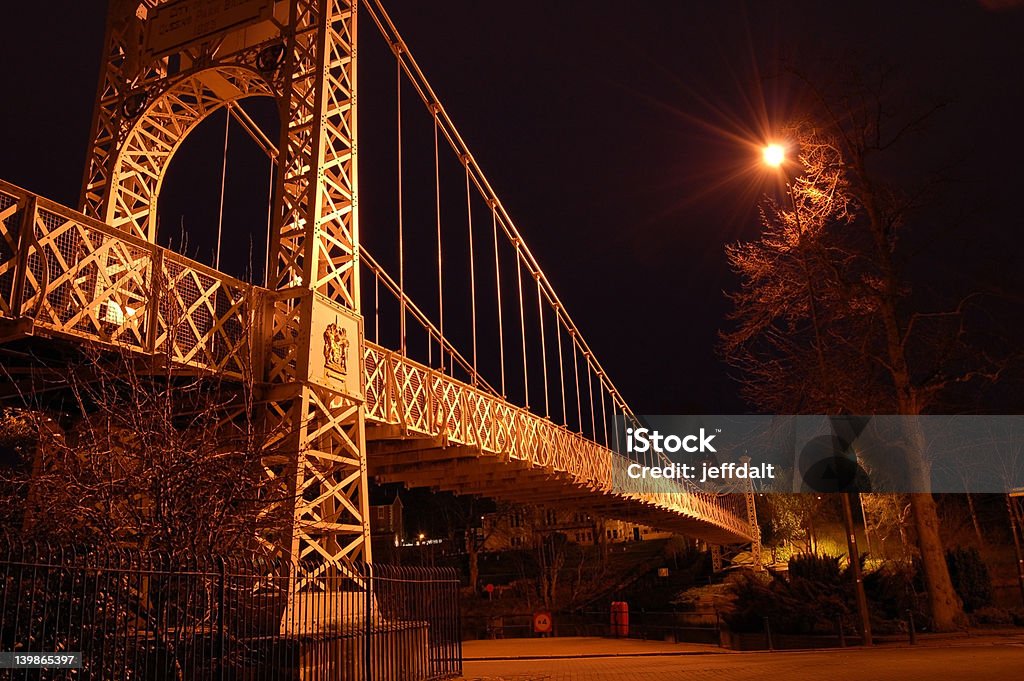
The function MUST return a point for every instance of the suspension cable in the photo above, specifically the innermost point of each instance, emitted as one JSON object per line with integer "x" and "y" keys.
{"x": 472, "y": 265}
{"x": 418, "y": 315}
{"x": 576, "y": 368}
{"x": 440, "y": 283}
{"x": 426, "y": 93}
{"x": 497, "y": 284}
{"x": 401, "y": 243}
{"x": 561, "y": 363}
{"x": 254, "y": 131}
{"x": 270, "y": 226}
{"x": 522, "y": 325}
{"x": 604, "y": 412}
{"x": 590, "y": 388}
{"x": 223, "y": 182}
{"x": 543, "y": 347}
{"x": 615, "y": 428}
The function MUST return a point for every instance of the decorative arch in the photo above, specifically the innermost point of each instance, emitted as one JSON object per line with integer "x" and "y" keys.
{"x": 151, "y": 142}
{"x": 149, "y": 98}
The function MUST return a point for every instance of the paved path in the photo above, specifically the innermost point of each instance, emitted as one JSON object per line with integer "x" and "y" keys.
{"x": 990, "y": 659}
{"x": 512, "y": 648}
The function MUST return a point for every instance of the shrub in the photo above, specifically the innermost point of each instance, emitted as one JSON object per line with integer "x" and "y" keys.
{"x": 990, "y": 615}
{"x": 806, "y": 601}
{"x": 821, "y": 569}
{"x": 970, "y": 577}
{"x": 892, "y": 591}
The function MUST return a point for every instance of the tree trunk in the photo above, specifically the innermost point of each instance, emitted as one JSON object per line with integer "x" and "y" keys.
{"x": 864, "y": 519}
{"x": 811, "y": 548}
{"x": 947, "y": 611}
{"x": 1011, "y": 507}
{"x": 600, "y": 540}
{"x": 974, "y": 521}
{"x": 474, "y": 566}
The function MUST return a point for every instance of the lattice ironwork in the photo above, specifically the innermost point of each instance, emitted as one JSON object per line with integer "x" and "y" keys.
{"x": 302, "y": 53}
{"x": 149, "y": 145}
{"x": 147, "y": 104}
{"x": 82, "y": 281}
{"x": 9, "y": 230}
{"x": 425, "y": 402}
{"x": 208, "y": 321}
{"x": 205, "y": 318}
{"x": 99, "y": 277}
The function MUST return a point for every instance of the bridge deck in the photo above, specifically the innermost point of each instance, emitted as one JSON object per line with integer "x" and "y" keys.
{"x": 64, "y": 275}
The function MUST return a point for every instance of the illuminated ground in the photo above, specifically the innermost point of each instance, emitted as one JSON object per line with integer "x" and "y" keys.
{"x": 979, "y": 659}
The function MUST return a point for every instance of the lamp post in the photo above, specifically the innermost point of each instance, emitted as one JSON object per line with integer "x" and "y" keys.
{"x": 774, "y": 156}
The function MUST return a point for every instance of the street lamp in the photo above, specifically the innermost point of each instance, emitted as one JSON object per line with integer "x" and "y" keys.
{"x": 774, "y": 155}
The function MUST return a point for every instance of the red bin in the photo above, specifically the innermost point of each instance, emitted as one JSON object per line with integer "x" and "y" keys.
{"x": 620, "y": 619}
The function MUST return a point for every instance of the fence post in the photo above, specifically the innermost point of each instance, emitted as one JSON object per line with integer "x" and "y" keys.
{"x": 221, "y": 619}
{"x": 368, "y": 625}
{"x": 910, "y": 627}
{"x": 842, "y": 634}
{"x": 768, "y": 634}
{"x": 457, "y": 632}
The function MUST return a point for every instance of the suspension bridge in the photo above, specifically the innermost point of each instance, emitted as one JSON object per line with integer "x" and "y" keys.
{"x": 358, "y": 359}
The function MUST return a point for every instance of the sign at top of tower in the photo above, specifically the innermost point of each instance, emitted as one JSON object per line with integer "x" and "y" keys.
{"x": 177, "y": 24}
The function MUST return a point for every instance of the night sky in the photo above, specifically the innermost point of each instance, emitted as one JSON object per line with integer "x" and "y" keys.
{"x": 622, "y": 138}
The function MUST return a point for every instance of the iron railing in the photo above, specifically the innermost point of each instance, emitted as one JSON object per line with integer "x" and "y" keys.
{"x": 151, "y": 616}
{"x": 690, "y": 627}
{"x": 77, "y": 278}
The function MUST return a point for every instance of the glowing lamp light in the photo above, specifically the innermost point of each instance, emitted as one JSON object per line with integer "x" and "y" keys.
{"x": 115, "y": 314}
{"x": 774, "y": 155}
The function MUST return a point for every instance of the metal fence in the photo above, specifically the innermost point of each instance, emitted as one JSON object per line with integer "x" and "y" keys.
{"x": 689, "y": 627}
{"x": 136, "y": 615}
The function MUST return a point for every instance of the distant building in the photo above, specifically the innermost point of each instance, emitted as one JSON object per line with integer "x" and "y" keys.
{"x": 386, "y": 522}
{"x": 520, "y": 528}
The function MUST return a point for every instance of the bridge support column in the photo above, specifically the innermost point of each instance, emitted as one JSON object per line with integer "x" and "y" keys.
{"x": 317, "y": 340}
{"x": 165, "y": 69}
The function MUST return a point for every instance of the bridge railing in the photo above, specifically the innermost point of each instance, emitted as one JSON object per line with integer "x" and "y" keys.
{"x": 81, "y": 278}
{"x": 427, "y": 402}
{"x": 424, "y": 401}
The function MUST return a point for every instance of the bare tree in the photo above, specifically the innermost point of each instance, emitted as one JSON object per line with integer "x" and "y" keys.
{"x": 888, "y": 516}
{"x": 825, "y": 320}
{"x": 464, "y": 516}
{"x": 148, "y": 457}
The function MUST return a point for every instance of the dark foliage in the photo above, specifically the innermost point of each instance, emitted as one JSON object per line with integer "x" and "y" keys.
{"x": 970, "y": 577}
{"x": 895, "y": 591}
{"x": 809, "y": 600}
{"x": 822, "y": 569}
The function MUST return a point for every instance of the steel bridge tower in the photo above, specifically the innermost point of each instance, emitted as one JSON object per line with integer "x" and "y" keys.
{"x": 167, "y": 65}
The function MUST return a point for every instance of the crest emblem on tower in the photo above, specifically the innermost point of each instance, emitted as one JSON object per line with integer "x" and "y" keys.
{"x": 336, "y": 348}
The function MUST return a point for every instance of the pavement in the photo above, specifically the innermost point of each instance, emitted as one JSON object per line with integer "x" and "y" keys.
{"x": 936, "y": 658}
{"x": 577, "y": 647}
